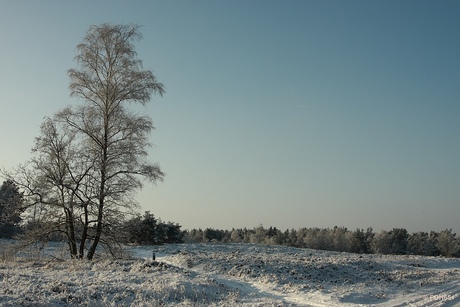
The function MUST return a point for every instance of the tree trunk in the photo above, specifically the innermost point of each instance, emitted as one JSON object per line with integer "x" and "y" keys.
{"x": 71, "y": 238}
{"x": 69, "y": 226}
{"x": 100, "y": 213}
{"x": 97, "y": 237}
{"x": 84, "y": 235}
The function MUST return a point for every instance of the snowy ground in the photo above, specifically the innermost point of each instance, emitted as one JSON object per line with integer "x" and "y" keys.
{"x": 232, "y": 275}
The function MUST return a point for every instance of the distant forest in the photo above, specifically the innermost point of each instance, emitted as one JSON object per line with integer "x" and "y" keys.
{"x": 396, "y": 241}
{"x": 146, "y": 229}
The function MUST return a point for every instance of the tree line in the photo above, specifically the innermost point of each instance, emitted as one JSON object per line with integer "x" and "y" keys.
{"x": 146, "y": 229}
{"x": 396, "y": 241}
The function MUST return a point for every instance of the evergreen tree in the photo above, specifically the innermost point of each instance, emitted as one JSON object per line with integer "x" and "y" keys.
{"x": 447, "y": 243}
{"x": 11, "y": 207}
{"x": 422, "y": 243}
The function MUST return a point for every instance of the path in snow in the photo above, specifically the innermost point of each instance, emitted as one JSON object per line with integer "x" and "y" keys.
{"x": 246, "y": 289}
{"x": 446, "y": 295}
{"x": 303, "y": 277}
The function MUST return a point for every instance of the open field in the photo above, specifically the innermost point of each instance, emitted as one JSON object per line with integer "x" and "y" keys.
{"x": 231, "y": 275}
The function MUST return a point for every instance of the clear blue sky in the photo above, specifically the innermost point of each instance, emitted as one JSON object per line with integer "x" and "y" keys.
{"x": 282, "y": 113}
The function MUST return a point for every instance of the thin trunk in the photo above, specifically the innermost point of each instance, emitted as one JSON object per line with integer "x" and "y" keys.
{"x": 84, "y": 234}
{"x": 97, "y": 237}
{"x": 69, "y": 226}
{"x": 72, "y": 239}
{"x": 102, "y": 187}
{"x": 100, "y": 215}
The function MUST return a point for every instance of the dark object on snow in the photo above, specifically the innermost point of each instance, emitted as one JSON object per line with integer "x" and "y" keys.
{"x": 153, "y": 256}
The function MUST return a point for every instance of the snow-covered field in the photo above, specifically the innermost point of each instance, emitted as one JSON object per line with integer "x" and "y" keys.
{"x": 231, "y": 275}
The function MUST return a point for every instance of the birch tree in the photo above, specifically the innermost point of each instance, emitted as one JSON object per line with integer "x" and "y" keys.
{"x": 108, "y": 79}
{"x": 60, "y": 185}
{"x": 90, "y": 159}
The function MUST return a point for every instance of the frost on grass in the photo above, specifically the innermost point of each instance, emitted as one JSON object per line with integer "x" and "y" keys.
{"x": 310, "y": 276}
{"x": 107, "y": 283}
{"x": 231, "y": 275}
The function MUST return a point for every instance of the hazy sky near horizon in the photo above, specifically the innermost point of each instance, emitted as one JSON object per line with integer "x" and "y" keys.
{"x": 282, "y": 113}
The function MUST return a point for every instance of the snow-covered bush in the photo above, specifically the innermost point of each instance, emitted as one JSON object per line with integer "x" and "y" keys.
{"x": 447, "y": 243}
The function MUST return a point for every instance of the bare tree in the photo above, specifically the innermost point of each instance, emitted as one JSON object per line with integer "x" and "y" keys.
{"x": 90, "y": 159}
{"x": 55, "y": 186}
{"x": 63, "y": 175}
{"x": 110, "y": 77}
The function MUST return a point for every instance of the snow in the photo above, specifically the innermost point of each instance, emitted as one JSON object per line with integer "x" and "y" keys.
{"x": 231, "y": 275}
